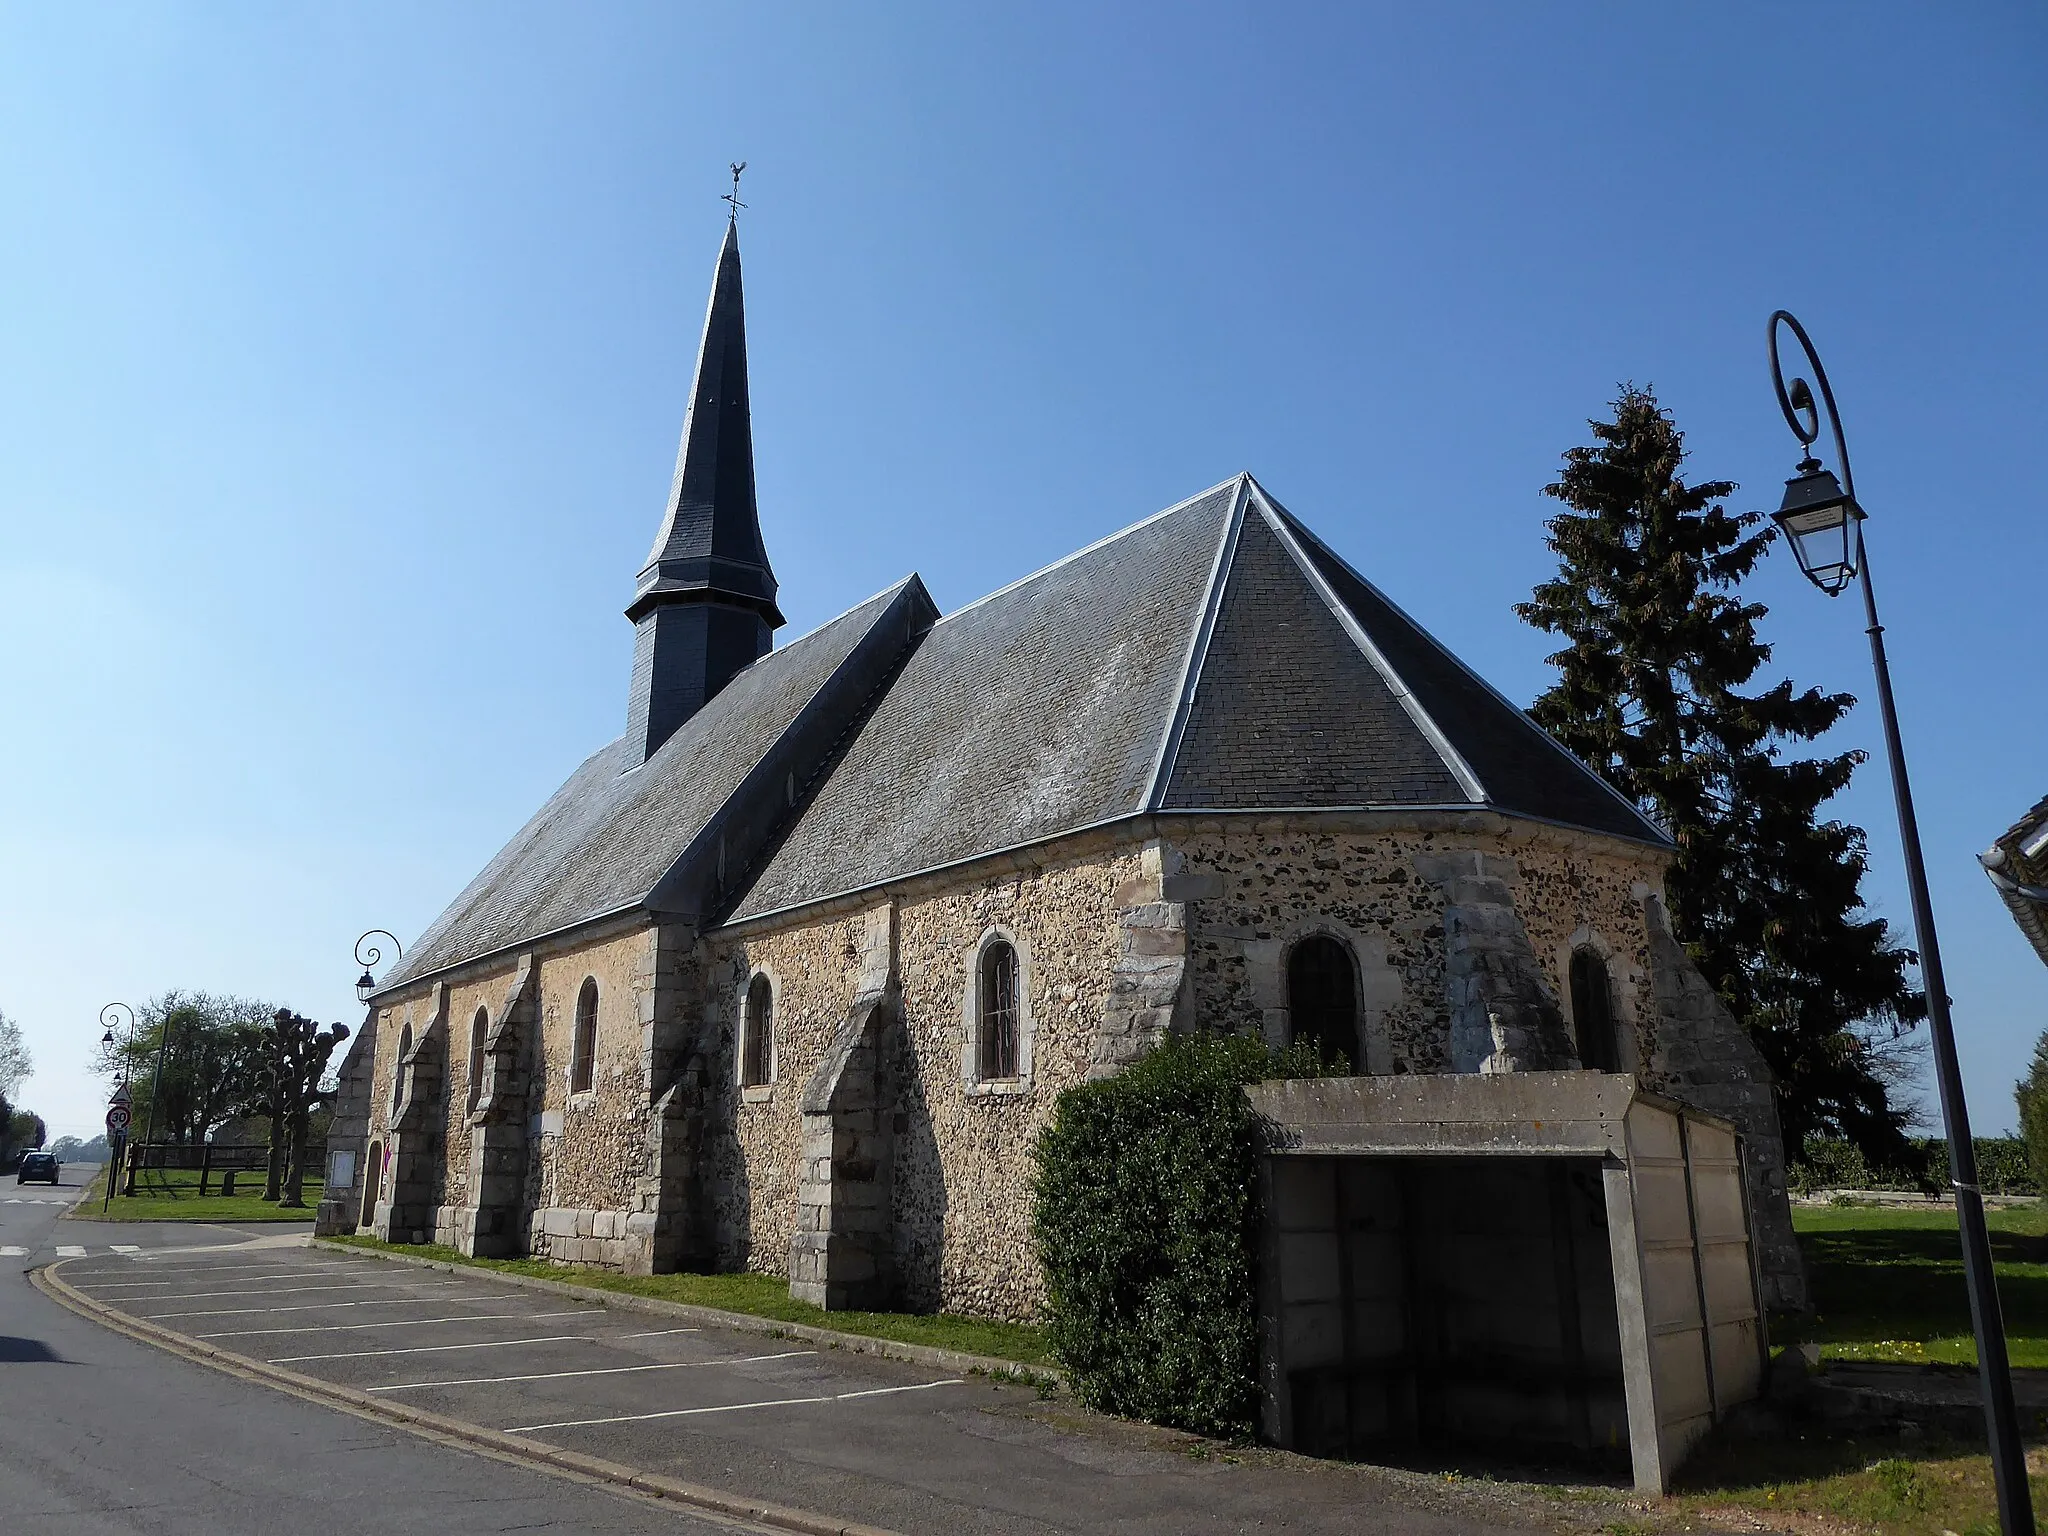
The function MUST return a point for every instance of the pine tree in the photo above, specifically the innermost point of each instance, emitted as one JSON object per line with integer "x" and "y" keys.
{"x": 1658, "y": 652}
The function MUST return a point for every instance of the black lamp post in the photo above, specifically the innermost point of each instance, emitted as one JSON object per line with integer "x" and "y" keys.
{"x": 112, "y": 1015}
{"x": 366, "y": 958}
{"x": 1824, "y": 525}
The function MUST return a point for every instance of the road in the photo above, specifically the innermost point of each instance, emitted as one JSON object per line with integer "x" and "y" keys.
{"x": 103, "y": 1435}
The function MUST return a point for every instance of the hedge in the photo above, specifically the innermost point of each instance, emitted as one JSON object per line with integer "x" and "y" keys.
{"x": 1824, "y": 1162}
{"x": 1146, "y": 1220}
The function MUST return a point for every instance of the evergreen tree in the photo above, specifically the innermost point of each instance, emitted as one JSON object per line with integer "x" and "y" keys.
{"x": 2031, "y": 1094}
{"x": 1650, "y": 691}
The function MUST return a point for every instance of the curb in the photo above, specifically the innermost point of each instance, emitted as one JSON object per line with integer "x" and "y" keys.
{"x": 437, "y": 1426}
{"x": 739, "y": 1322}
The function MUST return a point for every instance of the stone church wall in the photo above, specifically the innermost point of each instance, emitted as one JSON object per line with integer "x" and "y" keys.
{"x": 961, "y": 1184}
{"x": 1117, "y": 942}
{"x": 585, "y": 1150}
{"x": 1254, "y": 890}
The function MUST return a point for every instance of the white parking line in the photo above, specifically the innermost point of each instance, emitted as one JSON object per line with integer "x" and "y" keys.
{"x": 304, "y": 1306}
{"x": 70, "y": 1251}
{"x": 658, "y": 1333}
{"x": 772, "y": 1402}
{"x": 438, "y": 1349}
{"x": 208, "y": 1272}
{"x": 404, "y": 1322}
{"x": 610, "y": 1370}
{"x": 283, "y": 1290}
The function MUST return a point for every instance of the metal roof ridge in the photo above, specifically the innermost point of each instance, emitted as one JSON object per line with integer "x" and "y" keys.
{"x": 1452, "y": 758}
{"x": 1291, "y": 522}
{"x": 1106, "y": 539}
{"x": 1198, "y": 648}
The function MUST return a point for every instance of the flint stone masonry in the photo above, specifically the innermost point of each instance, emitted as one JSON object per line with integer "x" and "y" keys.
{"x": 1504, "y": 1015}
{"x": 869, "y": 1172}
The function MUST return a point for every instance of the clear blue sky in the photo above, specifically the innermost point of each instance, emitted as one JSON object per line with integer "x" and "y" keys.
{"x": 346, "y": 347}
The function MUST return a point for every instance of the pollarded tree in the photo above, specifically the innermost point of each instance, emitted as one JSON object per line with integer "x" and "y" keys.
{"x": 1653, "y": 691}
{"x": 295, "y": 1052}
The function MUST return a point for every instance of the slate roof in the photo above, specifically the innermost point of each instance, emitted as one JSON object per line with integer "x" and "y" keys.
{"x": 1037, "y": 710}
{"x": 710, "y": 534}
{"x": 608, "y": 836}
{"x": 1215, "y": 657}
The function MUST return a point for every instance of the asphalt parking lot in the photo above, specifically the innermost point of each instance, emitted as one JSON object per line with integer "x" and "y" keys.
{"x": 901, "y": 1446}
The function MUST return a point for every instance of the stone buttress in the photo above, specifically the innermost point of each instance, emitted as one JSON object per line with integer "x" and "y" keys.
{"x": 842, "y": 1253}
{"x": 667, "y": 1226}
{"x": 489, "y": 1223}
{"x": 405, "y": 1211}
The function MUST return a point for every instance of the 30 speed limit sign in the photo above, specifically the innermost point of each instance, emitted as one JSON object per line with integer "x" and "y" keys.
{"x": 117, "y": 1119}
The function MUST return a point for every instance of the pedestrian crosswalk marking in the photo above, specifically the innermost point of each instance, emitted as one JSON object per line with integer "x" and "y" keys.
{"x": 126, "y": 1247}
{"x": 70, "y": 1251}
{"x": 13, "y": 1253}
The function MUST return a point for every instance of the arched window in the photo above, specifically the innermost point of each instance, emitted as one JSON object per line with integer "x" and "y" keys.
{"x": 373, "y": 1181}
{"x": 583, "y": 1047}
{"x": 996, "y": 1014}
{"x": 757, "y": 1035}
{"x": 1322, "y": 998}
{"x": 398, "y": 1067}
{"x": 478, "y": 1028}
{"x": 1593, "y": 1013}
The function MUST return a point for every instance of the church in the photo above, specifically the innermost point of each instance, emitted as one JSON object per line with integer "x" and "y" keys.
{"x": 789, "y": 975}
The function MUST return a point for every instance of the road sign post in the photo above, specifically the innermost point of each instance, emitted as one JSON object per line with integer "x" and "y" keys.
{"x": 118, "y": 1118}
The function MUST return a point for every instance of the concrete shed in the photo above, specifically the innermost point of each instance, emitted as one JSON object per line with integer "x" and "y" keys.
{"x": 1549, "y": 1264}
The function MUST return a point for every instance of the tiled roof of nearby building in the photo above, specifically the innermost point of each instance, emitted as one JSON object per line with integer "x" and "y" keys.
{"x": 1215, "y": 657}
{"x": 609, "y": 835}
{"x": 2018, "y": 866}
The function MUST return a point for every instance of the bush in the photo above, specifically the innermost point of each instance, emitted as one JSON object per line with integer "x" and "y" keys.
{"x": 2003, "y": 1166}
{"x": 1146, "y": 1220}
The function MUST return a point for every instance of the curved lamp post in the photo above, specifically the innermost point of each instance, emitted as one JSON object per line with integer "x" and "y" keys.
{"x": 111, "y": 1016}
{"x": 1823, "y": 523}
{"x": 366, "y": 958}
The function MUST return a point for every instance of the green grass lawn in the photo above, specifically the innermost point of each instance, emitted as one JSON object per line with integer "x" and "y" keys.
{"x": 1888, "y": 1284}
{"x": 173, "y": 1195}
{"x": 766, "y": 1296}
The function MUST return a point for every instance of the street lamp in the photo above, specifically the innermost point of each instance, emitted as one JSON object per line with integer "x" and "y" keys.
{"x": 366, "y": 983}
{"x": 1824, "y": 525}
{"x": 111, "y": 1015}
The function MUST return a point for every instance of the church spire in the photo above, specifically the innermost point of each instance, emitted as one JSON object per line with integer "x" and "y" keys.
{"x": 704, "y": 606}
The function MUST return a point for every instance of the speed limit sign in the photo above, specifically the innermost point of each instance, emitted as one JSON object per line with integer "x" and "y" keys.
{"x": 117, "y": 1119}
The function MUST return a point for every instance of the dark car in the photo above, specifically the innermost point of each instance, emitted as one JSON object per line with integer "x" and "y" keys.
{"x": 37, "y": 1165}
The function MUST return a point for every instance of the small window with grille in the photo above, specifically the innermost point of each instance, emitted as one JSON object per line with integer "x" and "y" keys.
{"x": 996, "y": 1006}
{"x": 757, "y": 1035}
{"x": 583, "y": 1044}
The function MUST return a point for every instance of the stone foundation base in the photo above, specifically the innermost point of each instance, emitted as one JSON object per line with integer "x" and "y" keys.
{"x": 595, "y": 1238}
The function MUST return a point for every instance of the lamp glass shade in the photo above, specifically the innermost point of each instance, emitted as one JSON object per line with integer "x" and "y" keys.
{"x": 1819, "y": 521}
{"x": 365, "y": 985}
{"x": 107, "y": 1038}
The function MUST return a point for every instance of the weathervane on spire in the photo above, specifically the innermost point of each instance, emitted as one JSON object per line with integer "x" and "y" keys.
{"x": 733, "y": 197}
